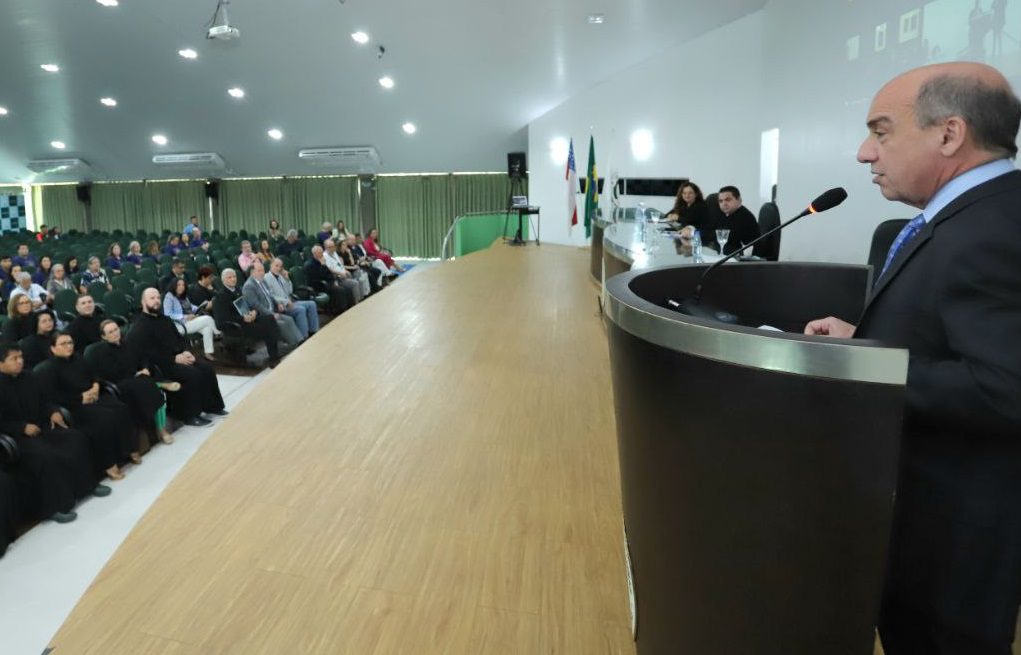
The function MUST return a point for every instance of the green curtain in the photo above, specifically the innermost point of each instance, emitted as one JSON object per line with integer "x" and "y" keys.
{"x": 58, "y": 206}
{"x": 152, "y": 206}
{"x": 414, "y": 212}
{"x": 302, "y": 203}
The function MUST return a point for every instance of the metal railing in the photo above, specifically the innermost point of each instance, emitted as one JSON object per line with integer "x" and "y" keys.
{"x": 453, "y": 226}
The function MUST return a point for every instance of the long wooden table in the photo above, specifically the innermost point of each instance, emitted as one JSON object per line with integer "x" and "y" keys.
{"x": 435, "y": 472}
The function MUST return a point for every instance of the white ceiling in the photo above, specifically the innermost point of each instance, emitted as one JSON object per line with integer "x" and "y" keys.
{"x": 471, "y": 74}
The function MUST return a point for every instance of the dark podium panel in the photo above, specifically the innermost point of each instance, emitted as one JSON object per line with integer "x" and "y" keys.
{"x": 757, "y": 468}
{"x": 596, "y": 251}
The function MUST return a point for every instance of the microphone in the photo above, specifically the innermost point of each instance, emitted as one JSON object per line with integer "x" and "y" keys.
{"x": 693, "y": 305}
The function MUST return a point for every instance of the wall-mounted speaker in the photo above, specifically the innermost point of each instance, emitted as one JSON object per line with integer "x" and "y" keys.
{"x": 517, "y": 167}
{"x": 84, "y": 193}
{"x": 213, "y": 189}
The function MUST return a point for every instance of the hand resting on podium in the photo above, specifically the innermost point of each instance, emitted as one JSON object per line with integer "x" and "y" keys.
{"x": 830, "y": 327}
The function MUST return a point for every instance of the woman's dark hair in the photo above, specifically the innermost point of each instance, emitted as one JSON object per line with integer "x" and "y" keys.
{"x": 206, "y": 271}
{"x": 176, "y": 284}
{"x": 67, "y": 264}
{"x": 109, "y": 251}
{"x": 38, "y": 315}
{"x": 694, "y": 187}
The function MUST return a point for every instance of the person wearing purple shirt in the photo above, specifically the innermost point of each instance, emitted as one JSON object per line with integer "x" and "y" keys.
{"x": 113, "y": 257}
{"x": 24, "y": 259}
{"x": 42, "y": 274}
{"x": 134, "y": 254}
{"x": 173, "y": 246}
{"x": 197, "y": 242}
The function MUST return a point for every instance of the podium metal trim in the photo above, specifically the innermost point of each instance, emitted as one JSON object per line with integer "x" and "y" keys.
{"x": 824, "y": 357}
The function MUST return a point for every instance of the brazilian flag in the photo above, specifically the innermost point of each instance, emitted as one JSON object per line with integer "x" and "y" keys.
{"x": 591, "y": 188}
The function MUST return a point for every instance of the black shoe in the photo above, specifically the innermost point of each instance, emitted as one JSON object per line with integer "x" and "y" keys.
{"x": 197, "y": 422}
{"x": 64, "y": 517}
{"x": 217, "y": 412}
{"x": 101, "y": 491}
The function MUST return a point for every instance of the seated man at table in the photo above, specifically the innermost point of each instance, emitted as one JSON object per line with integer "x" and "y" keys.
{"x": 737, "y": 218}
{"x": 156, "y": 339}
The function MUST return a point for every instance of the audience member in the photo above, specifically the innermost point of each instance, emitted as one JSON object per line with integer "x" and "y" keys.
{"x": 258, "y": 297}
{"x": 325, "y": 233}
{"x": 176, "y": 273}
{"x": 152, "y": 251}
{"x": 201, "y": 293}
{"x": 185, "y": 244}
{"x": 114, "y": 261}
{"x": 265, "y": 253}
{"x": 5, "y": 267}
{"x": 42, "y": 274}
{"x": 377, "y": 251}
{"x": 364, "y": 259}
{"x": 347, "y": 259}
{"x": 173, "y": 245}
{"x": 36, "y": 347}
{"x": 59, "y": 281}
{"x": 196, "y": 241}
{"x": 126, "y": 368}
{"x": 134, "y": 255}
{"x": 191, "y": 226}
{"x": 84, "y": 329}
{"x": 105, "y": 420}
{"x": 253, "y": 326}
{"x": 742, "y": 224}
{"x": 304, "y": 312}
{"x": 24, "y": 258}
{"x": 320, "y": 278}
{"x": 340, "y": 232}
{"x": 376, "y": 276}
{"x": 289, "y": 246}
{"x": 57, "y": 459}
{"x": 26, "y": 287}
{"x": 336, "y": 265}
{"x": 246, "y": 257}
{"x": 71, "y": 266}
{"x": 274, "y": 234}
{"x": 20, "y": 320}
{"x": 186, "y": 315}
{"x": 159, "y": 343}
{"x": 93, "y": 274}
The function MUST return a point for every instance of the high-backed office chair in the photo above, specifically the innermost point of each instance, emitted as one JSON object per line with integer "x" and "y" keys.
{"x": 769, "y": 218}
{"x": 882, "y": 239}
{"x": 714, "y": 217}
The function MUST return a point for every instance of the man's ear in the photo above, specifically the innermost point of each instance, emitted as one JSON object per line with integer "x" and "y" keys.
{"x": 955, "y": 134}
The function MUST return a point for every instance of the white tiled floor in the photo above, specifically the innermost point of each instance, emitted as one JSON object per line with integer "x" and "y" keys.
{"x": 46, "y": 571}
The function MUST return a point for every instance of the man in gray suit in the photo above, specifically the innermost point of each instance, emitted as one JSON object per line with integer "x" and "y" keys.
{"x": 258, "y": 297}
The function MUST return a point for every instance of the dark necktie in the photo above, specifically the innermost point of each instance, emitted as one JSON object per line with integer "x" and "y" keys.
{"x": 906, "y": 235}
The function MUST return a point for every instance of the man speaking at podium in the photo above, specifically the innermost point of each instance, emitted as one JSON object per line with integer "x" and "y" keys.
{"x": 941, "y": 139}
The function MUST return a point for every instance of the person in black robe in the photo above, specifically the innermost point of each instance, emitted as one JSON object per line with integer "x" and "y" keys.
{"x": 55, "y": 467}
{"x": 35, "y": 348}
{"x": 690, "y": 209}
{"x": 110, "y": 361}
{"x": 8, "y": 511}
{"x": 103, "y": 418}
{"x": 156, "y": 339}
{"x": 258, "y": 328}
{"x": 20, "y": 320}
{"x": 84, "y": 329}
{"x": 321, "y": 278}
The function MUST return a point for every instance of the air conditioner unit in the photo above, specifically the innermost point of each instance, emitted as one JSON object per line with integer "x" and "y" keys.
{"x": 361, "y": 158}
{"x": 193, "y": 160}
{"x": 69, "y": 165}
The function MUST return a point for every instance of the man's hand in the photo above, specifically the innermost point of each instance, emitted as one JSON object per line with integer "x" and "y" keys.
{"x": 31, "y": 430}
{"x": 57, "y": 420}
{"x": 251, "y": 316}
{"x": 830, "y": 327}
{"x": 144, "y": 371}
{"x": 185, "y": 358}
{"x": 285, "y": 273}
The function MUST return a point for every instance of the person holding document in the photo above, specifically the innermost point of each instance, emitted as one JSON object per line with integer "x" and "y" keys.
{"x": 941, "y": 139}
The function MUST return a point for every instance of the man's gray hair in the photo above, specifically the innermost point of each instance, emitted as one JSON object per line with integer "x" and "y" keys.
{"x": 275, "y": 260}
{"x": 226, "y": 271}
{"x": 292, "y": 233}
{"x": 991, "y": 113}
{"x": 22, "y": 276}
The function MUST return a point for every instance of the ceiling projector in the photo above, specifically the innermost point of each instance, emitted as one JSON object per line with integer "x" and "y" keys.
{"x": 219, "y": 27}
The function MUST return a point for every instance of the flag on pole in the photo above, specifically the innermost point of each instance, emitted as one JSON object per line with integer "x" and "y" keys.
{"x": 591, "y": 188}
{"x": 572, "y": 188}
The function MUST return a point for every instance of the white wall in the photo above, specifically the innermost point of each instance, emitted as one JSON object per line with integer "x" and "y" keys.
{"x": 788, "y": 67}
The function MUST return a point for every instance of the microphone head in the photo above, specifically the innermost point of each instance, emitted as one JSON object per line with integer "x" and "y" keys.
{"x": 828, "y": 200}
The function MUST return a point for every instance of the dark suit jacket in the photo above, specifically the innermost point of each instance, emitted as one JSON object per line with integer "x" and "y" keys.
{"x": 953, "y": 298}
{"x": 742, "y": 225}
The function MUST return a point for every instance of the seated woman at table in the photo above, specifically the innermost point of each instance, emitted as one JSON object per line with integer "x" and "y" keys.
{"x": 690, "y": 208}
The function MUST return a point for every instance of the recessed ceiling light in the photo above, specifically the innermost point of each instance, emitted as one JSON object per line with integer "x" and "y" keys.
{"x": 386, "y": 82}
{"x": 3, "y": 111}
{"x": 275, "y": 134}
{"x": 596, "y": 19}
{"x": 159, "y": 139}
{"x": 108, "y": 3}
{"x": 109, "y": 102}
{"x": 188, "y": 53}
{"x": 59, "y": 145}
{"x": 236, "y": 92}
{"x": 360, "y": 37}
{"x": 50, "y": 68}
{"x": 409, "y": 128}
